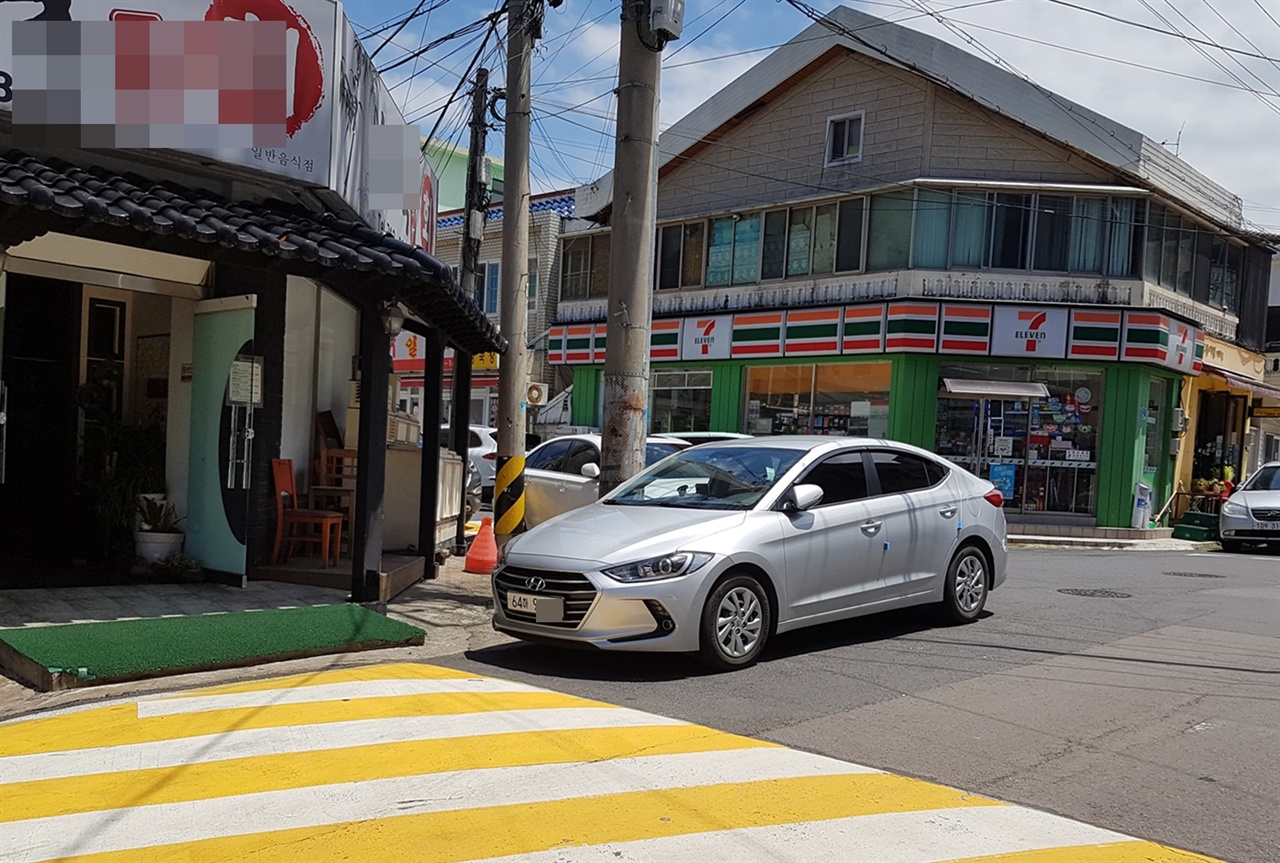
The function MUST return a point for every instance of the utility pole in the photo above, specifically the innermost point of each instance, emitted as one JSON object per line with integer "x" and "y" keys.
{"x": 524, "y": 25}
{"x": 477, "y": 198}
{"x": 647, "y": 25}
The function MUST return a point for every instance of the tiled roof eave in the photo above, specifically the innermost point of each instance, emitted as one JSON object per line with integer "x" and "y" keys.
{"x": 320, "y": 243}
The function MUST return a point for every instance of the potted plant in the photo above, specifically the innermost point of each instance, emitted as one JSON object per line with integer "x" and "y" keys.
{"x": 158, "y": 535}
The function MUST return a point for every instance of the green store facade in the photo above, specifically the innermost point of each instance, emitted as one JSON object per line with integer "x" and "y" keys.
{"x": 1065, "y": 408}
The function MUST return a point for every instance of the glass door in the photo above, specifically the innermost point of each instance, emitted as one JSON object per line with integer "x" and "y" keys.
{"x": 988, "y": 437}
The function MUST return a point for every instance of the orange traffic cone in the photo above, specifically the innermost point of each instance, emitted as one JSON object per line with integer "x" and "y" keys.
{"x": 482, "y": 556}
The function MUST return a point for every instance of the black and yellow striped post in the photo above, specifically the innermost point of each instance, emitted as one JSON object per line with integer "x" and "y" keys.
{"x": 508, "y": 496}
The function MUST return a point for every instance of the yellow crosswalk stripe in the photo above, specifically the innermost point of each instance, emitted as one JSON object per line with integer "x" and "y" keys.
{"x": 445, "y": 837}
{"x": 119, "y": 724}
{"x": 1136, "y": 851}
{"x": 46, "y": 798}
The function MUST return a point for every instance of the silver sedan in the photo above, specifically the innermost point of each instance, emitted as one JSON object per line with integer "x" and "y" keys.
{"x": 717, "y": 547}
{"x": 1252, "y": 513}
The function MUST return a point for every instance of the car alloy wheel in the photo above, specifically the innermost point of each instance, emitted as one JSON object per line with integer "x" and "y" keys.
{"x": 735, "y": 623}
{"x": 966, "y": 587}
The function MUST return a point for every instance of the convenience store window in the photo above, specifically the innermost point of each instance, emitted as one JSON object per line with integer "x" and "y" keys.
{"x": 841, "y": 399}
{"x": 680, "y": 401}
{"x": 1155, "y": 442}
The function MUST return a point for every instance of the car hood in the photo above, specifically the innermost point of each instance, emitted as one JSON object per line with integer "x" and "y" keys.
{"x": 609, "y": 534}
{"x": 1260, "y": 499}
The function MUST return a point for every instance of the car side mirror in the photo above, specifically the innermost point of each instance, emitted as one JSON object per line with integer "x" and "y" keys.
{"x": 803, "y": 496}
{"x": 591, "y": 470}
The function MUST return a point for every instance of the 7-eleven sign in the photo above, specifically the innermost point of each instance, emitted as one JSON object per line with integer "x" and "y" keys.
{"x": 706, "y": 337}
{"x": 1019, "y": 331}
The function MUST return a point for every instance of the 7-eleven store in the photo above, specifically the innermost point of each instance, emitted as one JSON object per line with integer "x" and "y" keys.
{"x": 1066, "y": 409}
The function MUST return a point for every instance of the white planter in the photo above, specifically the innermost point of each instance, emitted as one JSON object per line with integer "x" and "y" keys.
{"x": 155, "y": 547}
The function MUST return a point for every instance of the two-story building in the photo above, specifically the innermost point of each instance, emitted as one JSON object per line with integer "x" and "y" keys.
{"x": 872, "y": 232}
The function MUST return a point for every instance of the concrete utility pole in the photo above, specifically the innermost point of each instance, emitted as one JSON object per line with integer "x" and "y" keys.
{"x": 635, "y": 196}
{"x": 524, "y": 24}
{"x": 477, "y": 198}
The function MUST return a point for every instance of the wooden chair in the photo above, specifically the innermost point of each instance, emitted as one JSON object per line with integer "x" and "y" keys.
{"x": 295, "y": 525}
{"x": 336, "y": 488}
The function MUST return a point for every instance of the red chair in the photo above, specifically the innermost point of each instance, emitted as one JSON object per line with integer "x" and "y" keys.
{"x": 290, "y": 520}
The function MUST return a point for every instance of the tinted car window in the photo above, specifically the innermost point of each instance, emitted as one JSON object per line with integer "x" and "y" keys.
{"x": 581, "y": 453}
{"x": 656, "y": 452}
{"x": 902, "y": 472}
{"x": 842, "y": 477}
{"x": 549, "y": 456}
{"x": 475, "y": 441}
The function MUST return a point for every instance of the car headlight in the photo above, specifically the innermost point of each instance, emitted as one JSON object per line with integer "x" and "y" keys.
{"x": 667, "y": 566}
{"x": 1232, "y": 509}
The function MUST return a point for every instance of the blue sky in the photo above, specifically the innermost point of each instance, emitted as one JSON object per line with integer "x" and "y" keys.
{"x": 1219, "y": 110}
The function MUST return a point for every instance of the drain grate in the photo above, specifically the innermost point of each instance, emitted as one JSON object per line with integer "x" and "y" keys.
{"x": 1195, "y": 575}
{"x": 1097, "y": 593}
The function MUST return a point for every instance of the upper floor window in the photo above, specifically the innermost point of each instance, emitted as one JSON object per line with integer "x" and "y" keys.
{"x": 584, "y": 267}
{"x": 488, "y": 287}
{"x": 844, "y": 138}
{"x": 733, "y": 250}
{"x": 681, "y": 249}
{"x": 533, "y": 285}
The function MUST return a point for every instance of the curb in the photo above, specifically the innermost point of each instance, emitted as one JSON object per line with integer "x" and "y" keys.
{"x": 1027, "y": 541}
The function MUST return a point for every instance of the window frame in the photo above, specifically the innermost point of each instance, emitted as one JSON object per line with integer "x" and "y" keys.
{"x": 873, "y": 471}
{"x": 828, "y": 141}
{"x": 872, "y": 489}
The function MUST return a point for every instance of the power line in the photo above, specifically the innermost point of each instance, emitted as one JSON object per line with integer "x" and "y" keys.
{"x": 1164, "y": 32}
{"x": 417, "y": 11}
{"x": 491, "y": 19}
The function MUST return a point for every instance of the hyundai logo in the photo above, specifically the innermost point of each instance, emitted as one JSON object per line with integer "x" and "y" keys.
{"x": 535, "y": 582}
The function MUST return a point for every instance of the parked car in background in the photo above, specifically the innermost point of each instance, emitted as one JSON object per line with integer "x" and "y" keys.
{"x": 1251, "y": 516}
{"x": 718, "y": 547}
{"x": 482, "y": 447}
{"x": 695, "y": 438}
{"x": 562, "y": 474}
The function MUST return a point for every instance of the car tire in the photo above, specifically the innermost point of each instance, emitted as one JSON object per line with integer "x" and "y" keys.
{"x": 736, "y": 621}
{"x": 965, "y": 592}
{"x": 1233, "y": 546}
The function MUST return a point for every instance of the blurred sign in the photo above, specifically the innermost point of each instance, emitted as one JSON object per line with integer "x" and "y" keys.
{"x": 484, "y": 362}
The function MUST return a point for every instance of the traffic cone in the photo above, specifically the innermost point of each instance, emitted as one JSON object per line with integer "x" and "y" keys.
{"x": 482, "y": 556}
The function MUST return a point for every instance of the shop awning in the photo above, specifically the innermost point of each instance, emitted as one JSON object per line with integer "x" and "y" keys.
{"x": 38, "y": 196}
{"x": 1256, "y": 387}
{"x": 995, "y": 389}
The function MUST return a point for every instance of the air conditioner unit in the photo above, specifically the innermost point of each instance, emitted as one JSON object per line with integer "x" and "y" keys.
{"x": 535, "y": 394}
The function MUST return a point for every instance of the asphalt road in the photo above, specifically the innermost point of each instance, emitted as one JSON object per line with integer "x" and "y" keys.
{"x": 1152, "y": 709}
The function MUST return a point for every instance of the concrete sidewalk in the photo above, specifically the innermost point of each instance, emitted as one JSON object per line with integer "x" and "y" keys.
{"x": 454, "y": 609}
{"x": 1026, "y": 540}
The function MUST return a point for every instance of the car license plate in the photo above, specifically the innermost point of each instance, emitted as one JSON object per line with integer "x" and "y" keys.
{"x": 1269, "y": 525}
{"x": 545, "y": 609}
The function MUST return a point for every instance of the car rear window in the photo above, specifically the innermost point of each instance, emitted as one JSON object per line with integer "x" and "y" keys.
{"x": 656, "y": 452}
{"x": 901, "y": 472}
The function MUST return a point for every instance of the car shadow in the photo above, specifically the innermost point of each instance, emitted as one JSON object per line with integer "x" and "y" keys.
{"x": 589, "y": 664}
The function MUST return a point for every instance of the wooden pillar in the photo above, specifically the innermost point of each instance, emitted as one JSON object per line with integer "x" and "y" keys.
{"x": 460, "y": 423}
{"x": 432, "y": 388}
{"x": 371, "y": 459}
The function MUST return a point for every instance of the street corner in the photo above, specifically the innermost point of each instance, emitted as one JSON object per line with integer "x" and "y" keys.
{"x": 410, "y": 761}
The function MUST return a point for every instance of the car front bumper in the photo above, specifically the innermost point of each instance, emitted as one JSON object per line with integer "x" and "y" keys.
{"x": 601, "y": 613}
{"x": 1246, "y": 528}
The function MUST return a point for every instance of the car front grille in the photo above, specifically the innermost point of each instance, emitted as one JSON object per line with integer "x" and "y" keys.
{"x": 1268, "y": 514}
{"x": 578, "y": 592}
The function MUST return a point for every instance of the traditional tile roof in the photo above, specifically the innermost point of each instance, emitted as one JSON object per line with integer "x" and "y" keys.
{"x": 299, "y": 240}
{"x": 561, "y": 204}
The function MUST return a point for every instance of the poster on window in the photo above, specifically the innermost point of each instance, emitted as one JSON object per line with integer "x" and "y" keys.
{"x": 1003, "y": 477}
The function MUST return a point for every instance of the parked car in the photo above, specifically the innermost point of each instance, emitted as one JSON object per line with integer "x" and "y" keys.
{"x": 482, "y": 447}
{"x": 695, "y": 438}
{"x": 722, "y": 545}
{"x": 562, "y": 474}
{"x": 1252, "y": 514}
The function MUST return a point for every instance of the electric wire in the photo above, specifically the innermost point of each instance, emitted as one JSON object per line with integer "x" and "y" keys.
{"x": 1241, "y": 52}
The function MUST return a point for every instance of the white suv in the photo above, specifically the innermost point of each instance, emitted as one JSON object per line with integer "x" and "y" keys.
{"x": 482, "y": 447}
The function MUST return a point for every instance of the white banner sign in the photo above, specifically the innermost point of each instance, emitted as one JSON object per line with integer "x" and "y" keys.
{"x": 707, "y": 338}
{"x": 1024, "y": 331}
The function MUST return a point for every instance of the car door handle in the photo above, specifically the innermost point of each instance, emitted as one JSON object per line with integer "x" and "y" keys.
{"x": 871, "y": 528}
{"x": 948, "y": 511}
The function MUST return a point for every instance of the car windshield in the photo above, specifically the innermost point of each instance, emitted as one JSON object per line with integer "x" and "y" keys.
{"x": 1266, "y": 479}
{"x": 709, "y": 477}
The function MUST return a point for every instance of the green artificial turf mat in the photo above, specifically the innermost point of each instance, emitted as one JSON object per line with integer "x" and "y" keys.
{"x": 139, "y": 648}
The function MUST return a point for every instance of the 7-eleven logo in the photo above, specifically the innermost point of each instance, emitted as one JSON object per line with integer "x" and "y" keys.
{"x": 1031, "y": 321}
{"x": 706, "y": 339}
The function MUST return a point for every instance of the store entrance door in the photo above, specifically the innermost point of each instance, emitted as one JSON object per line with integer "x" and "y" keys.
{"x": 988, "y": 437}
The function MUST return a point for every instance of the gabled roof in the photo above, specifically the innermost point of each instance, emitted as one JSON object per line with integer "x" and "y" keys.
{"x": 1035, "y": 107}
